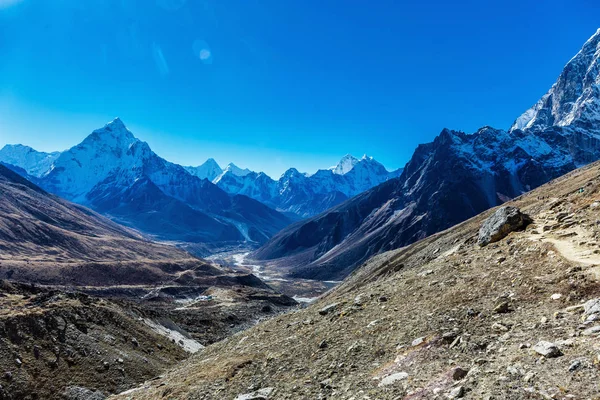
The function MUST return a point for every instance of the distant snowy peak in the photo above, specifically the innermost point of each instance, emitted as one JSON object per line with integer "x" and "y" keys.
{"x": 234, "y": 169}
{"x": 345, "y": 165}
{"x": 349, "y": 162}
{"x": 113, "y": 147}
{"x": 35, "y": 163}
{"x": 209, "y": 170}
{"x": 574, "y": 100}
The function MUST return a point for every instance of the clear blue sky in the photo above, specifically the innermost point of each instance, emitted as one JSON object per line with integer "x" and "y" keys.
{"x": 270, "y": 84}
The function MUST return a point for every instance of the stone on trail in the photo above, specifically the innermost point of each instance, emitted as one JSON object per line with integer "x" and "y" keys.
{"x": 502, "y": 222}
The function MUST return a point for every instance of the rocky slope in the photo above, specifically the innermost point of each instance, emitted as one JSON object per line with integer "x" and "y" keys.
{"x": 441, "y": 318}
{"x": 305, "y": 195}
{"x": 451, "y": 179}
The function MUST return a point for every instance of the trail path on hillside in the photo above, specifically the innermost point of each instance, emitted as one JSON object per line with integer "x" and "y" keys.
{"x": 570, "y": 245}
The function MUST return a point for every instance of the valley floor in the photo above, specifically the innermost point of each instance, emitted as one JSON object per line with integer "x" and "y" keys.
{"x": 302, "y": 290}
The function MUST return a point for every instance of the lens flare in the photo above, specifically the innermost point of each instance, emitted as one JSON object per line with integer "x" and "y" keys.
{"x": 202, "y": 51}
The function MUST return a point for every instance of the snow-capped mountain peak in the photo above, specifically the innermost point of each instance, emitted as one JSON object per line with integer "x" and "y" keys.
{"x": 574, "y": 100}
{"x": 345, "y": 164}
{"x": 113, "y": 147}
{"x": 209, "y": 170}
{"x": 234, "y": 169}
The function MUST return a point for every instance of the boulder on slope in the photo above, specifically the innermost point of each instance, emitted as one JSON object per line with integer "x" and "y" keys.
{"x": 502, "y": 222}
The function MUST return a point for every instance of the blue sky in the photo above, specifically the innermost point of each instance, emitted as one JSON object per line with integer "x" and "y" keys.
{"x": 270, "y": 84}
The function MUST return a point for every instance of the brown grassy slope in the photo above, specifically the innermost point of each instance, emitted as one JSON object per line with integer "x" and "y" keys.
{"x": 46, "y": 239}
{"x": 37, "y": 225}
{"x": 445, "y": 290}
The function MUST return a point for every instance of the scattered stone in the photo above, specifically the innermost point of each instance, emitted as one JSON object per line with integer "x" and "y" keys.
{"x": 418, "y": 341}
{"x": 498, "y": 327}
{"x": 391, "y": 379}
{"x": 456, "y": 342}
{"x": 81, "y": 393}
{"x": 458, "y": 373}
{"x": 329, "y": 308}
{"x": 448, "y": 337}
{"x": 502, "y": 306}
{"x": 544, "y": 320}
{"x": 18, "y": 362}
{"x": 360, "y": 300}
{"x": 383, "y": 299}
{"x": 547, "y": 349}
{"x": 326, "y": 384}
{"x": 575, "y": 309}
{"x": 372, "y": 323}
{"x": 529, "y": 376}
{"x": 591, "y": 331}
{"x": 471, "y": 312}
{"x": 556, "y": 296}
{"x": 524, "y": 346}
{"x": 593, "y": 317}
{"x": 8, "y": 375}
{"x": 575, "y": 365}
{"x": 513, "y": 370}
{"x": 592, "y": 307}
{"x": 502, "y": 222}
{"x": 106, "y": 365}
{"x": 323, "y": 344}
{"x": 261, "y": 394}
{"x": 457, "y": 393}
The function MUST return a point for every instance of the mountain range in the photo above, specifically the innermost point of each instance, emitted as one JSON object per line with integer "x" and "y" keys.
{"x": 118, "y": 175}
{"x": 304, "y": 194}
{"x": 453, "y": 178}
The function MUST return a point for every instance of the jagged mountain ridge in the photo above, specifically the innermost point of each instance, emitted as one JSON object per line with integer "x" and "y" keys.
{"x": 451, "y": 179}
{"x": 307, "y": 195}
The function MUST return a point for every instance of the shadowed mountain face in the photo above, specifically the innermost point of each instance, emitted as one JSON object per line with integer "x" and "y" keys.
{"x": 120, "y": 176}
{"x": 453, "y": 178}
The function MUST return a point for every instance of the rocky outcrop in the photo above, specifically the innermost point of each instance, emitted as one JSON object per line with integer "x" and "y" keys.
{"x": 502, "y": 222}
